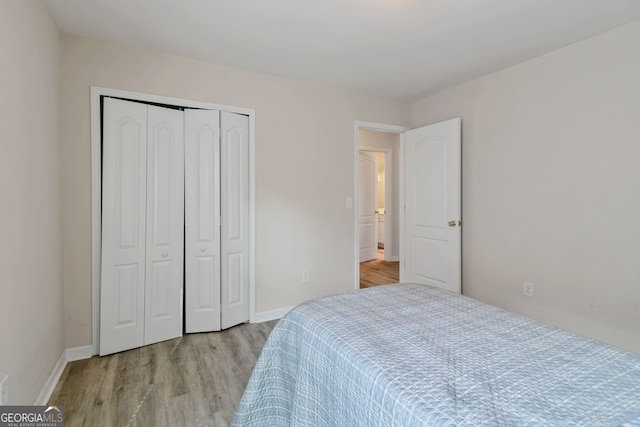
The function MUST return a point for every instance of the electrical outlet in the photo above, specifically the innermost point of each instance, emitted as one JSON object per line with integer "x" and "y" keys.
{"x": 305, "y": 276}
{"x": 527, "y": 289}
{"x": 4, "y": 391}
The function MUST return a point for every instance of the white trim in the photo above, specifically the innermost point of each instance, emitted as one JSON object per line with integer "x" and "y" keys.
{"x": 361, "y": 125}
{"x": 96, "y": 185}
{"x": 402, "y": 209}
{"x": 252, "y": 217}
{"x": 389, "y": 214}
{"x": 68, "y": 355}
{"x": 382, "y": 127}
{"x": 169, "y": 100}
{"x": 96, "y": 218}
{"x": 78, "y": 353}
{"x": 265, "y": 316}
{"x": 52, "y": 381}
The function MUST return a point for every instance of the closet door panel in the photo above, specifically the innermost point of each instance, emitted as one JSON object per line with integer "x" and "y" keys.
{"x": 202, "y": 210}
{"x": 123, "y": 225}
{"x": 234, "y": 168}
{"x": 165, "y": 229}
{"x": 235, "y": 275}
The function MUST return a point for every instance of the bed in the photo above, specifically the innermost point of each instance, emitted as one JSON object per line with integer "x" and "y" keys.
{"x": 412, "y": 355}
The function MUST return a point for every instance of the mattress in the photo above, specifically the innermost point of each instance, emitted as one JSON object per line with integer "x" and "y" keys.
{"x": 413, "y": 355}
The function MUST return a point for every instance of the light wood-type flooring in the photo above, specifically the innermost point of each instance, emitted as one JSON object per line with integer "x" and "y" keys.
{"x": 378, "y": 272}
{"x": 195, "y": 380}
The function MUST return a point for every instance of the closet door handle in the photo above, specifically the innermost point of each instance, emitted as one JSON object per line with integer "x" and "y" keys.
{"x": 203, "y": 249}
{"x": 165, "y": 254}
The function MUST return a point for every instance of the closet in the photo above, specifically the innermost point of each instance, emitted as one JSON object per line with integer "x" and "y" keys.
{"x": 175, "y": 218}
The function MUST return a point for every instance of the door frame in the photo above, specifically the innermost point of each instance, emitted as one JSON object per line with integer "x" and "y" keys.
{"x": 383, "y": 127}
{"x": 96, "y": 189}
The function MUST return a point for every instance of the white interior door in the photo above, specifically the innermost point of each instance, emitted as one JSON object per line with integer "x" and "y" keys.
{"x": 368, "y": 203}
{"x": 164, "y": 282}
{"x": 124, "y": 176}
{"x": 431, "y": 239}
{"x": 234, "y": 168}
{"x": 142, "y": 225}
{"x": 202, "y": 207}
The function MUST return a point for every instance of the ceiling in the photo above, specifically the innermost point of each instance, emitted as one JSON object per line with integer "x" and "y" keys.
{"x": 398, "y": 49}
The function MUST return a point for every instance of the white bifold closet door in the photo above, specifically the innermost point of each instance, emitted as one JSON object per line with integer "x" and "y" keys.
{"x": 175, "y": 218}
{"x": 234, "y": 172}
{"x": 142, "y": 225}
{"x": 202, "y": 206}
{"x": 217, "y": 220}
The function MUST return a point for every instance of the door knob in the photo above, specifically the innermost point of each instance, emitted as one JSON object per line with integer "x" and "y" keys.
{"x": 452, "y": 223}
{"x": 203, "y": 249}
{"x": 165, "y": 254}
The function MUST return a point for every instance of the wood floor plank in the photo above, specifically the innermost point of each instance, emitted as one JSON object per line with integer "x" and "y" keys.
{"x": 379, "y": 272}
{"x": 194, "y": 380}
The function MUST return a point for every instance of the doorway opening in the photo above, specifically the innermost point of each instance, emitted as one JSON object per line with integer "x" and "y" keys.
{"x": 377, "y": 182}
{"x": 378, "y": 265}
{"x": 429, "y": 192}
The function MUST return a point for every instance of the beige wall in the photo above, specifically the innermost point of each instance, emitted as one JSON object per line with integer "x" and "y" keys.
{"x": 301, "y": 219}
{"x": 388, "y": 141}
{"x": 551, "y": 185}
{"x": 31, "y": 335}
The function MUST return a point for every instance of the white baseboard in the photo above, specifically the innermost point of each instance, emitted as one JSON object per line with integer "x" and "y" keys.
{"x": 85, "y": 352}
{"x": 68, "y": 355}
{"x": 78, "y": 353}
{"x": 55, "y": 375}
{"x": 265, "y": 316}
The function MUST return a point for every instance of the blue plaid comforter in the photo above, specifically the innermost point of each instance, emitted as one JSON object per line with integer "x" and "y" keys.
{"x": 412, "y": 355}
